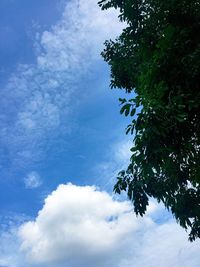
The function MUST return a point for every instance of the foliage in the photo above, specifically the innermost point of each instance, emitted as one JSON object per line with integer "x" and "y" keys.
{"x": 157, "y": 59}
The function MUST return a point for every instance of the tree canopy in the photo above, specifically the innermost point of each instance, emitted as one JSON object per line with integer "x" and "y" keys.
{"x": 156, "y": 59}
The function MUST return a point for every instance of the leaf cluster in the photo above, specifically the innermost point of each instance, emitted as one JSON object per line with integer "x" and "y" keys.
{"x": 157, "y": 59}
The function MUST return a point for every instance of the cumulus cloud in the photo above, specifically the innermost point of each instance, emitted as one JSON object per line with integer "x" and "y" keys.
{"x": 82, "y": 226}
{"x": 32, "y": 180}
{"x": 79, "y": 226}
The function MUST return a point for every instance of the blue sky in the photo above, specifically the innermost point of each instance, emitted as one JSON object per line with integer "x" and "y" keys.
{"x": 62, "y": 142}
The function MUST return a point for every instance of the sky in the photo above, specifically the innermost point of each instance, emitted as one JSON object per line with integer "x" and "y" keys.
{"x": 62, "y": 143}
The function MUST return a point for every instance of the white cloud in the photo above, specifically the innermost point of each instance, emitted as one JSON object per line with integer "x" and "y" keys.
{"x": 79, "y": 226}
{"x": 32, "y": 180}
{"x": 8, "y": 249}
{"x": 79, "y": 36}
{"x": 164, "y": 245}
{"x": 10, "y": 255}
{"x": 117, "y": 158}
{"x": 42, "y": 96}
{"x": 82, "y": 226}
{"x": 122, "y": 151}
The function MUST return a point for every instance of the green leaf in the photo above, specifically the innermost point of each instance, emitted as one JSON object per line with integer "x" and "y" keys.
{"x": 122, "y": 100}
{"x": 133, "y": 111}
{"x": 126, "y": 109}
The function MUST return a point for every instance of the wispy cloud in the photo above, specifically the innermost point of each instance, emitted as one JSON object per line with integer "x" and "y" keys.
{"x": 10, "y": 255}
{"x": 38, "y": 99}
{"x": 117, "y": 158}
{"x": 32, "y": 180}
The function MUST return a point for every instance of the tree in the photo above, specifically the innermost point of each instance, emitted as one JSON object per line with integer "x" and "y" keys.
{"x": 156, "y": 59}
